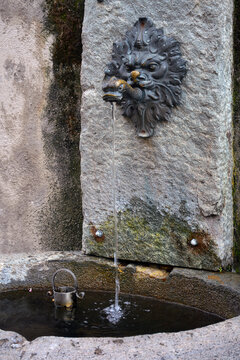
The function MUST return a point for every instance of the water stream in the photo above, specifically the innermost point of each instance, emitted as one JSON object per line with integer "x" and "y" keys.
{"x": 114, "y": 183}
{"x": 114, "y": 311}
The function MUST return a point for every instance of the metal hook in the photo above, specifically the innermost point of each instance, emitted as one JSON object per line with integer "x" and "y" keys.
{"x": 68, "y": 271}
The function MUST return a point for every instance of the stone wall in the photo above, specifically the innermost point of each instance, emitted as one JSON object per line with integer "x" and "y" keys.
{"x": 40, "y": 202}
{"x": 175, "y": 186}
{"x": 171, "y": 188}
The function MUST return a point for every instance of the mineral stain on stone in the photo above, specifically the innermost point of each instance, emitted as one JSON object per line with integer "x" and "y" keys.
{"x": 147, "y": 235}
{"x": 98, "y": 239}
{"x": 204, "y": 243}
{"x": 63, "y": 220}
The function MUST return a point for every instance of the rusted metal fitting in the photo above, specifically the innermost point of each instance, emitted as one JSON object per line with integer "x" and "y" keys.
{"x": 98, "y": 234}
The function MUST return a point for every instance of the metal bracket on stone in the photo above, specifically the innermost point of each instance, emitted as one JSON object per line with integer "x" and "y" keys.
{"x": 145, "y": 76}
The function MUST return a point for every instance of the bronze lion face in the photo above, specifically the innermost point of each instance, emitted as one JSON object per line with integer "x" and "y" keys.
{"x": 145, "y": 76}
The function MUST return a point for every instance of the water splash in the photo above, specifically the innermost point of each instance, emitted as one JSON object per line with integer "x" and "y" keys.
{"x": 113, "y": 315}
{"x": 114, "y": 312}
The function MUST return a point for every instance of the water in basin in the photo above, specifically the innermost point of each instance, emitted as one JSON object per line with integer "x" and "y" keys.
{"x": 33, "y": 314}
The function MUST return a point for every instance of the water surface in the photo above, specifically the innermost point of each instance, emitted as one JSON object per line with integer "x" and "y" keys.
{"x": 33, "y": 314}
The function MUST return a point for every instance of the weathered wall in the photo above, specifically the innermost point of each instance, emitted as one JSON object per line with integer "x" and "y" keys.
{"x": 171, "y": 188}
{"x": 176, "y": 185}
{"x": 40, "y": 206}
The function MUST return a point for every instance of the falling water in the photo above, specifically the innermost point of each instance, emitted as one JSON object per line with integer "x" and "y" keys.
{"x": 114, "y": 311}
{"x": 114, "y": 179}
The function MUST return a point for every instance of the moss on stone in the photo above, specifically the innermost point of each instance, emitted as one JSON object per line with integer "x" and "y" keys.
{"x": 146, "y": 235}
{"x": 64, "y": 19}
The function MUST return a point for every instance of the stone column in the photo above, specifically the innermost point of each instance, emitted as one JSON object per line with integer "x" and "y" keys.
{"x": 176, "y": 185}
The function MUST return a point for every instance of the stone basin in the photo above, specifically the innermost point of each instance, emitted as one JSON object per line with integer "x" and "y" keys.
{"x": 209, "y": 291}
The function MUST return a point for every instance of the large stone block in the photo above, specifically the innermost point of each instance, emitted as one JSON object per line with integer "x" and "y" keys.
{"x": 176, "y": 185}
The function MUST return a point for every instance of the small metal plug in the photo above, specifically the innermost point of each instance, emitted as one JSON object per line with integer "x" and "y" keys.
{"x": 194, "y": 242}
{"x": 99, "y": 233}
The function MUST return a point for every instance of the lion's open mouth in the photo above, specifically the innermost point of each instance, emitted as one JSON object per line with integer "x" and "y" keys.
{"x": 113, "y": 97}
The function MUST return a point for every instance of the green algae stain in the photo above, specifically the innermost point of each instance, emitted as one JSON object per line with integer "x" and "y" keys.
{"x": 145, "y": 235}
{"x": 64, "y": 19}
{"x": 62, "y": 229}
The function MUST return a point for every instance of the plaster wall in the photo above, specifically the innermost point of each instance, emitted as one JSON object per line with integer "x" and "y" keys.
{"x": 34, "y": 157}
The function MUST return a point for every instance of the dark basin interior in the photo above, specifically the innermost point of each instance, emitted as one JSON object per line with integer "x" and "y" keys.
{"x": 32, "y": 314}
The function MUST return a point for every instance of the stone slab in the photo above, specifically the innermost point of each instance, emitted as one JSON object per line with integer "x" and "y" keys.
{"x": 176, "y": 185}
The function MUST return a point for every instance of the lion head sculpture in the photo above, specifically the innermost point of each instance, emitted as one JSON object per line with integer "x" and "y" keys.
{"x": 145, "y": 76}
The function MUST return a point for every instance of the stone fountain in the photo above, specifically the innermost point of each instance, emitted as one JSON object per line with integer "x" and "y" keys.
{"x": 174, "y": 163}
